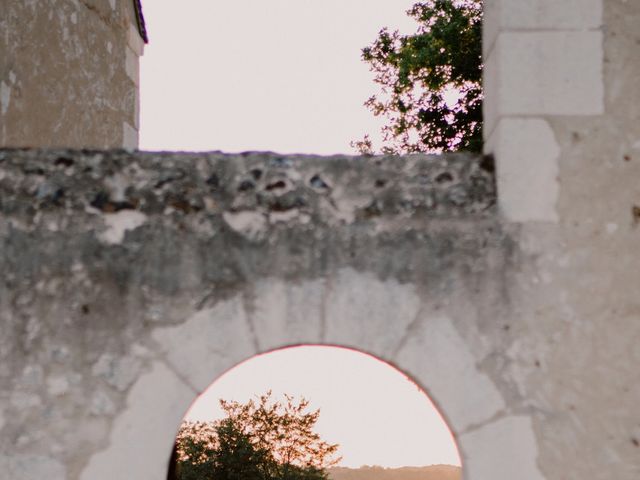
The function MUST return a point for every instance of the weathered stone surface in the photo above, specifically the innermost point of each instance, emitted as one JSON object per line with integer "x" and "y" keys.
{"x": 31, "y": 467}
{"x": 103, "y": 315}
{"x": 379, "y": 303}
{"x": 575, "y": 370}
{"x": 528, "y": 169}
{"x": 217, "y": 339}
{"x": 550, "y": 15}
{"x": 118, "y": 264}
{"x": 284, "y": 313}
{"x": 437, "y": 335}
{"x": 69, "y": 74}
{"x": 330, "y": 190}
{"x": 153, "y": 402}
{"x": 130, "y": 280}
{"x": 506, "y": 438}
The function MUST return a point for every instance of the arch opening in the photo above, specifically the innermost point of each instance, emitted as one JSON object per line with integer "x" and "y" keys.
{"x": 384, "y": 424}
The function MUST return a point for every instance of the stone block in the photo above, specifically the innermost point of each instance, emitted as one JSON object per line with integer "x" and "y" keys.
{"x": 527, "y": 157}
{"x": 143, "y": 434}
{"x": 287, "y": 313}
{"x": 510, "y": 15}
{"x": 466, "y": 395}
{"x": 209, "y": 343}
{"x": 545, "y": 73}
{"x": 511, "y": 440}
{"x": 360, "y": 308}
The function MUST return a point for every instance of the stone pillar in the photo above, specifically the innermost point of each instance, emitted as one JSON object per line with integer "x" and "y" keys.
{"x": 543, "y": 61}
{"x": 69, "y": 73}
{"x": 563, "y": 120}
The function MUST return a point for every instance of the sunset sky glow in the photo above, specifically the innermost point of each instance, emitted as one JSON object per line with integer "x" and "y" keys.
{"x": 376, "y": 414}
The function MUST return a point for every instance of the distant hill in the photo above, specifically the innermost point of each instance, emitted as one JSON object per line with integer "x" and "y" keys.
{"x": 432, "y": 472}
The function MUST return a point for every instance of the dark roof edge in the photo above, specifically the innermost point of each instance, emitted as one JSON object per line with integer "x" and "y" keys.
{"x": 142, "y": 28}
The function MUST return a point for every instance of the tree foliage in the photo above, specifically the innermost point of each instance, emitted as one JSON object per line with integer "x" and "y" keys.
{"x": 262, "y": 439}
{"x": 431, "y": 81}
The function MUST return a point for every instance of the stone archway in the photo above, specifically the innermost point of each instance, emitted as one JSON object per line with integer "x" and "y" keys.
{"x": 138, "y": 309}
{"x": 108, "y": 257}
{"x": 386, "y": 319}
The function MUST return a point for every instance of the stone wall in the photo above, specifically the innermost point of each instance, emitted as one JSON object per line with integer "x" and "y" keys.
{"x": 69, "y": 73}
{"x": 131, "y": 281}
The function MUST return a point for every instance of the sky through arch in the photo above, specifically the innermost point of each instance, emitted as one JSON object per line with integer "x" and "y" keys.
{"x": 377, "y": 415}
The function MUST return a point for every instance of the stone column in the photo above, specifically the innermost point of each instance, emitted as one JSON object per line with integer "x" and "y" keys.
{"x": 563, "y": 120}
{"x": 543, "y": 61}
{"x": 69, "y": 74}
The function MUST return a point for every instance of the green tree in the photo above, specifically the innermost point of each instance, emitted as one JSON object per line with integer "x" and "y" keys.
{"x": 262, "y": 439}
{"x": 431, "y": 81}
{"x": 194, "y": 452}
{"x": 236, "y": 457}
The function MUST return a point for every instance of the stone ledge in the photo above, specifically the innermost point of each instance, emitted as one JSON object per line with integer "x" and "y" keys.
{"x": 325, "y": 190}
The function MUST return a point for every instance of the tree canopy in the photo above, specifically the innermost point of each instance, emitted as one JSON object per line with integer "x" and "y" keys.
{"x": 262, "y": 439}
{"x": 431, "y": 81}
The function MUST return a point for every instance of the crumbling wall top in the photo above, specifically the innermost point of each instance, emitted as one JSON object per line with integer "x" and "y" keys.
{"x": 325, "y": 190}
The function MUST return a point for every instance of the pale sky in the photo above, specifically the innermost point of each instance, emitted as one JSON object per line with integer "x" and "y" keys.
{"x": 280, "y": 75}
{"x": 376, "y": 414}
